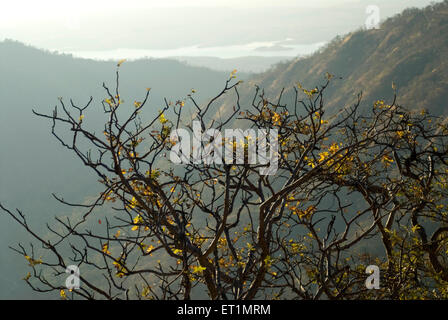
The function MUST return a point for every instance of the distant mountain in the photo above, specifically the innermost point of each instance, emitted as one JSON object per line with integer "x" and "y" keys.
{"x": 409, "y": 49}
{"x": 254, "y": 64}
{"x": 34, "y": 79}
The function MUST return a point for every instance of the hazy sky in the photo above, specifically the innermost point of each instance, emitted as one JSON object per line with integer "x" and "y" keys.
{"x": 107, "y": 25}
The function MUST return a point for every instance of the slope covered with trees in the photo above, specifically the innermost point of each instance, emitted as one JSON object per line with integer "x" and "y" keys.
{"x": 409, "y": 49}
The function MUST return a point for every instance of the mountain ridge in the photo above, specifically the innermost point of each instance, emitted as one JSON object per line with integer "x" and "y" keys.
{"x": 409, "y": 49}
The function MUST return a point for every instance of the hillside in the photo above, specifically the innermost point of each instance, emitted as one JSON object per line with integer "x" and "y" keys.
{"x": 34, "y": 79}
{"x": 33, "y": 164}
{"x": 409, "y": 49}
{"x": 250, "y": 64}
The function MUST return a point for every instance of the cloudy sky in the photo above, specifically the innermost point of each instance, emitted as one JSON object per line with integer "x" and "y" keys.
{"x": 169, "y": 27}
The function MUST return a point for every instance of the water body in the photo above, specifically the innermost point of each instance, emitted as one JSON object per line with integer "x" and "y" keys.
{"x": 262, "y": 49}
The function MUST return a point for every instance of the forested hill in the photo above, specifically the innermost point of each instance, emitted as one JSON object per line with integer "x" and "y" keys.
{"x": 33, "y": 164}
{"x": 409, "y": 49}
{"x": 34, "y": 79}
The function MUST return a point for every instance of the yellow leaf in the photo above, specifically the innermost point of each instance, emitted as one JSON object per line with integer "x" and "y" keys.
{"x": 276, "y": 119}
{"x": 162, "y": 119}
{"x": 387, "y": 160}
{"x": 33, "y": 262}
{"x": 105, "y": 248}
{"x": 198, "y": 269}
{"x": 145, "y": 292}
{"x": 178, "y": 252}
{"x": 150, "y": 248}
{"x": 120, "y": 62}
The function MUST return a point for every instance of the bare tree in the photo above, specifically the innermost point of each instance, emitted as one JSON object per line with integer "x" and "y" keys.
{"x": 353, "y": 188}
